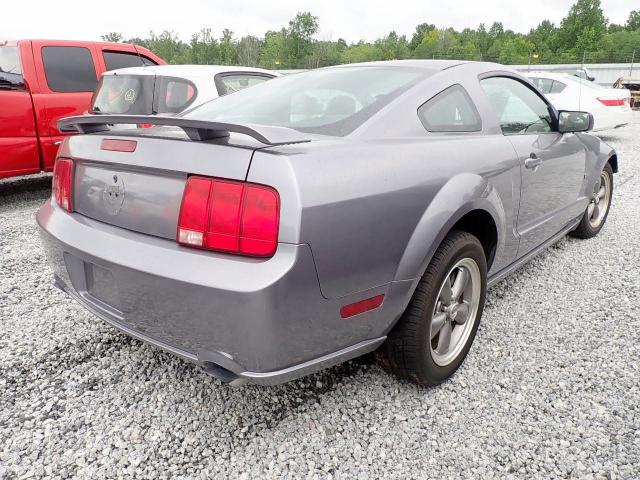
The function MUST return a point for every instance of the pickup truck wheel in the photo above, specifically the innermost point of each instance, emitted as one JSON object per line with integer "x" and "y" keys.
{"x": 432, "y": 338}
{"x": 598, "y": 209}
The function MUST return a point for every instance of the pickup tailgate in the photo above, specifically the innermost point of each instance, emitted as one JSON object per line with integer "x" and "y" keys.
{"x": 137, "y": 182}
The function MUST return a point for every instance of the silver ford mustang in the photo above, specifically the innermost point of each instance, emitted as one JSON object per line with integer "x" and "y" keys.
{"x": 320, "y": 216}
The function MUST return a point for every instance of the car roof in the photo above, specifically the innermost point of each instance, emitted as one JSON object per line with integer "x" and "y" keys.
{"x": 422, "y": 64}
{"x": 190, "y": 71}
{"x": 432, "y": 66}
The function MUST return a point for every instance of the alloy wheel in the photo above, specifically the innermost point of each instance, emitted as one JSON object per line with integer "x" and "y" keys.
{"x": 455, "y": 311}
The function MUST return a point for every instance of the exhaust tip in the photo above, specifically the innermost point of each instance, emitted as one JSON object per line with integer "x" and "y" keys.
{"x": 224, "y": 375}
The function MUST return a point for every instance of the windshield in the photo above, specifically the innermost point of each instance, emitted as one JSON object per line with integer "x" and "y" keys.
{"x": 328, "y": 101}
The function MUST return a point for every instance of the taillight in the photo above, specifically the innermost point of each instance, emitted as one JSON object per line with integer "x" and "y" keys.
{"x": 145, "y": 125}
{"x": 63, "y": 183}
{"x": 611, "y": 102}
{"x": 229, "y": 216}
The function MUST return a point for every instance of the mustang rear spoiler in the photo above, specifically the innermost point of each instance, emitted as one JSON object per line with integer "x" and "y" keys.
{"x": 196, "y": 130}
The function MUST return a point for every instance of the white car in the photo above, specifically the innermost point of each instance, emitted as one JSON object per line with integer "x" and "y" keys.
{"x": 170, "y": 89}
{"x": 610, "y": 107}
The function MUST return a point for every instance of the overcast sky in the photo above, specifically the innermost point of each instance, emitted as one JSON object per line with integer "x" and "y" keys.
{"x": 352, "y": 20}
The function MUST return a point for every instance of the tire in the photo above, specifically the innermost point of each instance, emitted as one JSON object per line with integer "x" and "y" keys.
{"x": 589, "y": 226}
{"x": 411, "y": 351}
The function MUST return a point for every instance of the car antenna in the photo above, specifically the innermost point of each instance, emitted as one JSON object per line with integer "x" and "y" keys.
{"x": 135, "y": 47}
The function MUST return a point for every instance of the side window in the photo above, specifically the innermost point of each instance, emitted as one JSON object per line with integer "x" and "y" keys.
{"x": 557, "y": 87}
{"x": 69, "y": 69}
{"x": 543, "y": 84}
{"x": 519, "y": 109}
{"x": 116, "y": 60}
{"x": 174, "y": 94}
{"x": 233, "y": 82}
{"x": 452, "y": 110}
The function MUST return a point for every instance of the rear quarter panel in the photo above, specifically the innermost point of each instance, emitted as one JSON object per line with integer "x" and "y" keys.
{"x": 371, "y": 211}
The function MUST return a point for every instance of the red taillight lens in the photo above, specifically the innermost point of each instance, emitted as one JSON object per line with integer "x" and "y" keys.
{"x": 145, "y": 125}
{"x": 611, "y": 102}
{"x": 63, "y": 183}
{"x": 229, "y": 216}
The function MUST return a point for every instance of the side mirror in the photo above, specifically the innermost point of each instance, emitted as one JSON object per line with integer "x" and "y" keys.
{"x": 574, "y": 121}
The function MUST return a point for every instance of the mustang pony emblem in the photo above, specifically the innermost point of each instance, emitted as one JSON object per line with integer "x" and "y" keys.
{"x": 113, "y": 195}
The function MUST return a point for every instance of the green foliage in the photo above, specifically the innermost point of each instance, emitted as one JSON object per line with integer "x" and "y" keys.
{"x": 633, "y": 22}
{"x": 111, "y": 37}
{"x": 583, "y": 28}
{"x": 583, "y": 34}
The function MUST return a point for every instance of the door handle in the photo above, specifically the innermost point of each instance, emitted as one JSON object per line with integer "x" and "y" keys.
{"x": 533, "y": 162}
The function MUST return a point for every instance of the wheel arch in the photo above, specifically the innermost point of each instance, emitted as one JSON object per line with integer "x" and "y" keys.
{"x": 478, "y": 211}
{"x": 613, "y": 161}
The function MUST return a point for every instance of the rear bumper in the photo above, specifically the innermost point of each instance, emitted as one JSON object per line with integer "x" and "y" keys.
{"x": 262, "y": 320}
{"x": 609, "y": 118}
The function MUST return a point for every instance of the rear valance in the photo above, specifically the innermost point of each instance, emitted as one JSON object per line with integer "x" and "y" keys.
{"x": 197, "y": 130}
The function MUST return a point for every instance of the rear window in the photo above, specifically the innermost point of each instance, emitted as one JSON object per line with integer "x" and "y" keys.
{"x": 69, "y": 69}
{"x": 332, "y": 101}
{"x": 547, "y": 85}
{"x": 142, "y": 95}
{"x": 116, "y": 60}
{"x": 124, "y": 95}
{"x": 542, "y": 84}
{"x": 234, "y": 82}
{"x": 10, "y": 69}
{"x": 557, "y": 87}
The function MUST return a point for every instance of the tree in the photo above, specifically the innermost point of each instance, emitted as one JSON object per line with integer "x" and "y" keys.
{"x": 249, "y": 51}
{"x": 299, "y": 39}
{"x": 392, "y": 47}
{"x": 360, "y": 52}
{"x": 227, "y": 47}
{"x": 421, "y": 31}
{"x": 633, "y": 22}
{"x": 295, "y": 45}
{"x": 515, "y": 51}
{"x": 112, "y": 37}
{"x": 439, "y": 43}
{"x": 272, "y": 54}
{"x": 583, "y": 28}
{"x": 544, "y": 38}
{"x": 168, "y": 46}
{"x": 204, "y": 48}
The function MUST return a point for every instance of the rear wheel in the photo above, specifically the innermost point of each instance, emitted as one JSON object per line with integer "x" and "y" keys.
{"x": 598, "y": 209}
{"x": 432, "y": 338}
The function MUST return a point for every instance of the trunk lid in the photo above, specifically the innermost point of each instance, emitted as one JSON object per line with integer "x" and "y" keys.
{"x": 141, "y": 188}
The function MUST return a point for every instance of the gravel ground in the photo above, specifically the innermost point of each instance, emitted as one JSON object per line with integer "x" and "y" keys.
{"x": 549, "y": 390}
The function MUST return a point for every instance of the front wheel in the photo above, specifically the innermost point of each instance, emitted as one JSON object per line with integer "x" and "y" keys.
{"x": 432, "y": 338}
{"x": 597, "y": 211}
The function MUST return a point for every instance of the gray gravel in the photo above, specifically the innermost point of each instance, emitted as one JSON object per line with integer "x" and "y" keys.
{"x": 550, "y": 388}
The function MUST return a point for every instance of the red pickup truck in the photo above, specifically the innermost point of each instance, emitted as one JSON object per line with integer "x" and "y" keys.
{"x": 44, "y": 80}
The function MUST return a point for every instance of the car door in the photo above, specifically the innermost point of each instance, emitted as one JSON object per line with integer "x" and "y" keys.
{"x": 67, "y": 77}
{"x": 552, "y": 165}
{"x": 18, "y": 140}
